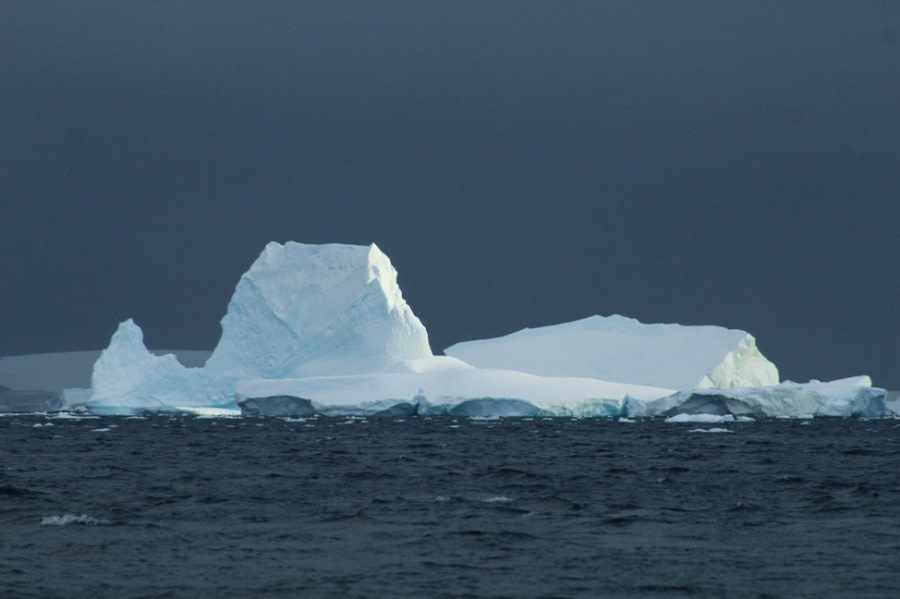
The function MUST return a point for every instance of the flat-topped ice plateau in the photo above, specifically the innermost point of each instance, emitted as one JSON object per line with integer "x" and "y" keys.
{"x": 616, "y": 348}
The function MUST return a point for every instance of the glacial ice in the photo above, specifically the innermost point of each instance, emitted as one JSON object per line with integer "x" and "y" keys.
{"x": 325, "y": 329}
{"x": 283, "y": 406}
{"x": 300, "y": 310}
{"x": 851, "y": 397}
{"x": 442, "y": 385}
{"x": 616, "y": 348}
{"x": 317, "y": 310}
{"x": 16, "y": 401}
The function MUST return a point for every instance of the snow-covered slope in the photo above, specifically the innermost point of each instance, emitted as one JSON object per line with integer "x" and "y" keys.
{"x": 621, "y": 349}
{"x": 300, "y": 310}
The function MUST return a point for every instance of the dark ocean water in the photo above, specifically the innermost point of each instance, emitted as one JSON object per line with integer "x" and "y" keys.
{"x": 339, "y": 507}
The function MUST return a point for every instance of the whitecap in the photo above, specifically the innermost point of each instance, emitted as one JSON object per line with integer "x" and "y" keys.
{"x": 67, "y": 519}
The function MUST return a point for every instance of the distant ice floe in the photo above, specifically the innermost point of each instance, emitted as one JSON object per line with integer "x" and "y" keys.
{"x": 324, "y": 329}
{"x": 710, "y": 430}
{"x": 700, "y": 418}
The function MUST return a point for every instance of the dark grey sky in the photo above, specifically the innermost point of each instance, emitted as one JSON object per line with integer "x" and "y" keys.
{"x": 522, "y": 163}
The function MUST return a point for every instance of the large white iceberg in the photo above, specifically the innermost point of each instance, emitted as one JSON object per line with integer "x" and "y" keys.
{"x": 325, "y": 329}
{"x": 300, "y": 310}
{"x": 616, "y": 348}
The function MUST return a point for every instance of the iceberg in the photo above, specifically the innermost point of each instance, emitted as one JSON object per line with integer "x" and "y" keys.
{"x": 621, "y": 349}
{"x": 300, "y": 310}
{"x": 324, "y": 329}
{"x": 853, "y": 397}
{"x": 21, "y": 402}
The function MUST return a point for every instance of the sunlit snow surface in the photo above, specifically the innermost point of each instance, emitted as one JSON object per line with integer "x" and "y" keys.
{"x": 616, "y": 348}
{"x": 325, "y": 329}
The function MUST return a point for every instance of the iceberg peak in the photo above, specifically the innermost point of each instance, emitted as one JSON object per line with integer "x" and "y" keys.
{"x": 303, "y": 310}
{"x": 300, "y": 310}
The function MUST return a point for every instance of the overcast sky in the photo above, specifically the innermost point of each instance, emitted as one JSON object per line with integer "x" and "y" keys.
{"x": 521, "y": 163}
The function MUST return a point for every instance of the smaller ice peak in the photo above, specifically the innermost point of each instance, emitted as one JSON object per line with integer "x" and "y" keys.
{"x": 315, "y": 310}
{"x": 128, "y": 378}
{"x": 126, "y": 362}
{"x": 621, "y": 349}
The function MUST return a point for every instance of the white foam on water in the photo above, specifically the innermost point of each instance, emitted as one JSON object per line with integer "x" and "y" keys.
{"x": 498, "y": 499}
{"x": 67, "y": 519}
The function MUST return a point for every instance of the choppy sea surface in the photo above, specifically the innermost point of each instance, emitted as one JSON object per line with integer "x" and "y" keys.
{"x": 346, "y": 507}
